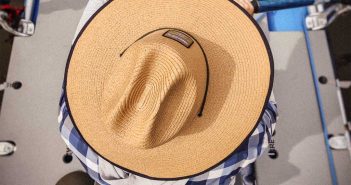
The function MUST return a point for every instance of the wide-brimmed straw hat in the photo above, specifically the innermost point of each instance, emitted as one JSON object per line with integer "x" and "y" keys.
{"x": 168, "y": 89}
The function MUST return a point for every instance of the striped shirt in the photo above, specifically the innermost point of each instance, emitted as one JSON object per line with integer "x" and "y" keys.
{"x": 224, "y": 173}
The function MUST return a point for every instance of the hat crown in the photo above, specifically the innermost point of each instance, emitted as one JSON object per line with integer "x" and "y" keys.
{"x": 162, "y": 90}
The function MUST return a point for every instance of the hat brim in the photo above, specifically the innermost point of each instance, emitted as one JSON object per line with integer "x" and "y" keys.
{"x": 241, "y": 77}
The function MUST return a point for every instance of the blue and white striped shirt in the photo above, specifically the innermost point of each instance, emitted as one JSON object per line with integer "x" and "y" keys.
{"x": 222, "y": 174}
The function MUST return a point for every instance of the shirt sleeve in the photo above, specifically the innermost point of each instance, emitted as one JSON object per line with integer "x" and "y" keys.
{"x": 248, "y": 152}
{"x": 93, "y": 164}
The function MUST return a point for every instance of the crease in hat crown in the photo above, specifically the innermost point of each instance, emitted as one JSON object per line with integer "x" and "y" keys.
{"x": 163, "y": 91}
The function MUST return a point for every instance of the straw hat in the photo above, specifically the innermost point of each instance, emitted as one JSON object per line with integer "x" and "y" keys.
{"x": 168, "y": 89}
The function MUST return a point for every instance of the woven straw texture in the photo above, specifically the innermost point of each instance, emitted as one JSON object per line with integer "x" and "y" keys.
{"x": 139, "y": 110}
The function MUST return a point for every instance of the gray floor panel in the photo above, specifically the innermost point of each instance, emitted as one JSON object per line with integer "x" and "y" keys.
{"x": 335, "y": 124}
{"x": 299, "y": 139}
{"x": 29, "y": 115}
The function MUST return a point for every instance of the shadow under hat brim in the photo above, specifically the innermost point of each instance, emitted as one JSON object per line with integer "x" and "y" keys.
{"x": 194, "y": 151}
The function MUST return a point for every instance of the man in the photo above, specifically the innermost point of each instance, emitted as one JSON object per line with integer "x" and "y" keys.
{"x": 104, "y": 172}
